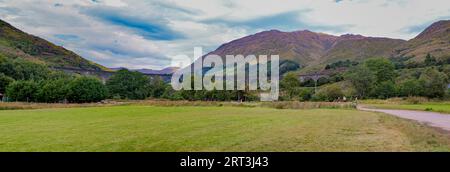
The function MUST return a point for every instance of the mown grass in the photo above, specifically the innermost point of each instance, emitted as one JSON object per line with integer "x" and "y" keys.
{"x": 434, "y": 107}
{"x": 412, "y": 103}
{"x": 211, "y": 128}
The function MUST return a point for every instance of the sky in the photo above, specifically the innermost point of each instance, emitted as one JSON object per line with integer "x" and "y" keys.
{"x": 150, "y": 33}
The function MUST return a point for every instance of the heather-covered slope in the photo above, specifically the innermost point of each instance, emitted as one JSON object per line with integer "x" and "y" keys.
{"x": 358, "y": 48}
{"x": 434, "y": 40}
{"x": 309, "y": 48}
{"x": 302, "y": 47}
{"x": 16, "y": 43}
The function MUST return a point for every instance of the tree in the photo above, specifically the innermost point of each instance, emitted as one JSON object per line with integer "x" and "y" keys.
{"x": 384, "y": 90}
{"x": 411, "y": 87}
{"x": 430, "y": 60}
{"x": 363, "y": 79}
{"x": 288, "y": 65}
{"x": 4, "y": 82}
{"x": 21, "y": 69}
{"x": 383, "y": 69}
{"x": 129, "y": 85}
{"x": 86, "y": 89}
{"x": 171, "y": 94}
{"x": 22, "y": 91}
{"x": 157, "y": 87}
{"x": 434, "y": 83}
{"x": 305, "y": 94}
{"x": 53, "y": 91}
{"x": 289, "y": 84}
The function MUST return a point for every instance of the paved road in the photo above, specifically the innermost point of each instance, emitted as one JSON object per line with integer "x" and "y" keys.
{"x": 433, "y": 119}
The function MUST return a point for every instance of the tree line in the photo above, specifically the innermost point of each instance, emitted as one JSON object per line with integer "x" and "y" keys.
{"x": 374, "y": 78}
{"x": 22, "y": 80}
{"x": 25, "y": 81}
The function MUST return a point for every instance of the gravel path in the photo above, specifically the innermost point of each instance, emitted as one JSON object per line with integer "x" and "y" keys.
{"x": 433, "y": 119}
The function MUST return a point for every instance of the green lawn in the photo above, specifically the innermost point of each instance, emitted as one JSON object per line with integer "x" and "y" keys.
{"x": 146, "y": 128}
{"x": 435, "y": 107}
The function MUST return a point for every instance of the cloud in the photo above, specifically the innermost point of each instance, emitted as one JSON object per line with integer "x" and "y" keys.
{"x": 287, "y": 21}
{"x": 413, "y": 29}
{"x": 149, "y": 27}
{"x": 68, "y": 37}
{"x": 148, "y": 34}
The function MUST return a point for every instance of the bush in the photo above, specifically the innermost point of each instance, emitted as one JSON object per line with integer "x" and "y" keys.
{"x": 362, "y": 79}
{"x": 22, "y": 91}
{"x": 129, "y": 85}
{"x": 434, "y": 83}
{"x": 171, "y": 94}
{"x": 53, "y": 91}
{"x": 306, "y": 94}
{"x": 383, "y": 69}
{"x": 21, "y": 69}
{"x": 329, "y": 93}
{"x": 85, "y": 90}
{"x": 416, "y": 100}
{"x": 4, "y": 82}
{"x": 411, "y": 87}
{"x": 157, "y": 87}
{"x": 384, "y": 90}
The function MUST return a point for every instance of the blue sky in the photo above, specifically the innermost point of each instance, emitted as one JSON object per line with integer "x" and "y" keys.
{"x": 149, "y": 33}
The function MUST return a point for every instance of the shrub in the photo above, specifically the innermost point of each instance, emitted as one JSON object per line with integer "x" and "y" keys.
{"x": 86, "y": 89}
{"x": 129, "y": 85}
{"x": 4, "y": 82}
{"x": 411, "y": 87}
{"x": 53, "y": 91}
{"x": 21, "y": 69}
{"x": 329, "y": 93}
{"x": 434, "y": 83}
{"x": 22, "y": 91}
{"x": 384, "y": 90}
{"x": 362, "y": 79}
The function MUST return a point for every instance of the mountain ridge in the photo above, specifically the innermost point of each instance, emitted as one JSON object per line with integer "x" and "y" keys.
{"x": 434, "y": 40}
{"x": 306, "y": 47}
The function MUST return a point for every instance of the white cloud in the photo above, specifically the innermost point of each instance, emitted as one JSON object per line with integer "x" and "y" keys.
{"x": 113, "y": 44}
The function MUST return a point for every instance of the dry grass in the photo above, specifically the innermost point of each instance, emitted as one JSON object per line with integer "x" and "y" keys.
{"x": 277, "y": 105}
{"x": 398, "y": 100}
{"x": 23, "y": 105}
{"x": 167, "y": 103}
{"x": 309, "y": 105}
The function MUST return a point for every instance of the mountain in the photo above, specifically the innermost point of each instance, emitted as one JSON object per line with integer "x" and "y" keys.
{"x": 16, "y": 43}
{"x": 358, "y": 48}
{"x": 302, "y": 47}
{"x": 434, "y": 40}
{"x": 165, "y": 71}
{"x": 310, "y": 48}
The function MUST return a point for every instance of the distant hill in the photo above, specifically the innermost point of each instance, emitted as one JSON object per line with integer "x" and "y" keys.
{"x": 302, "y": 47}
{"x": 434, "y": 40}
{"x": 313, "y": 51}
{"x": 358, "y": 48}
{"x": 310, "y": 48}
{"x": 165, "y": 71}
{"x": 15, "y": 43}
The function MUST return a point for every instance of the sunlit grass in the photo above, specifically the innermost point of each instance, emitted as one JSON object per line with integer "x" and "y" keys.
{"x": 211, "y": 128}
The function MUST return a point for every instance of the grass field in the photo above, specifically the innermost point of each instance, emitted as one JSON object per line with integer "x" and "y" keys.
{"x": 188, "y": 128}
{"x": 430, "y": 106}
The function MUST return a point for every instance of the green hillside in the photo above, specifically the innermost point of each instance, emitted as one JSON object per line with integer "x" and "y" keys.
{"x": 434, "y": 40}
{"x": 15, "y": 43}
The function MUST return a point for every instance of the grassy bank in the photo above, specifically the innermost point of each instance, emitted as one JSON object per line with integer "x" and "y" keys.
{"x": 211, "y": 128}
{"x": 167, "y": 103}
{"x": 434, "y": 107}
{"x": 420, "y": 104}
